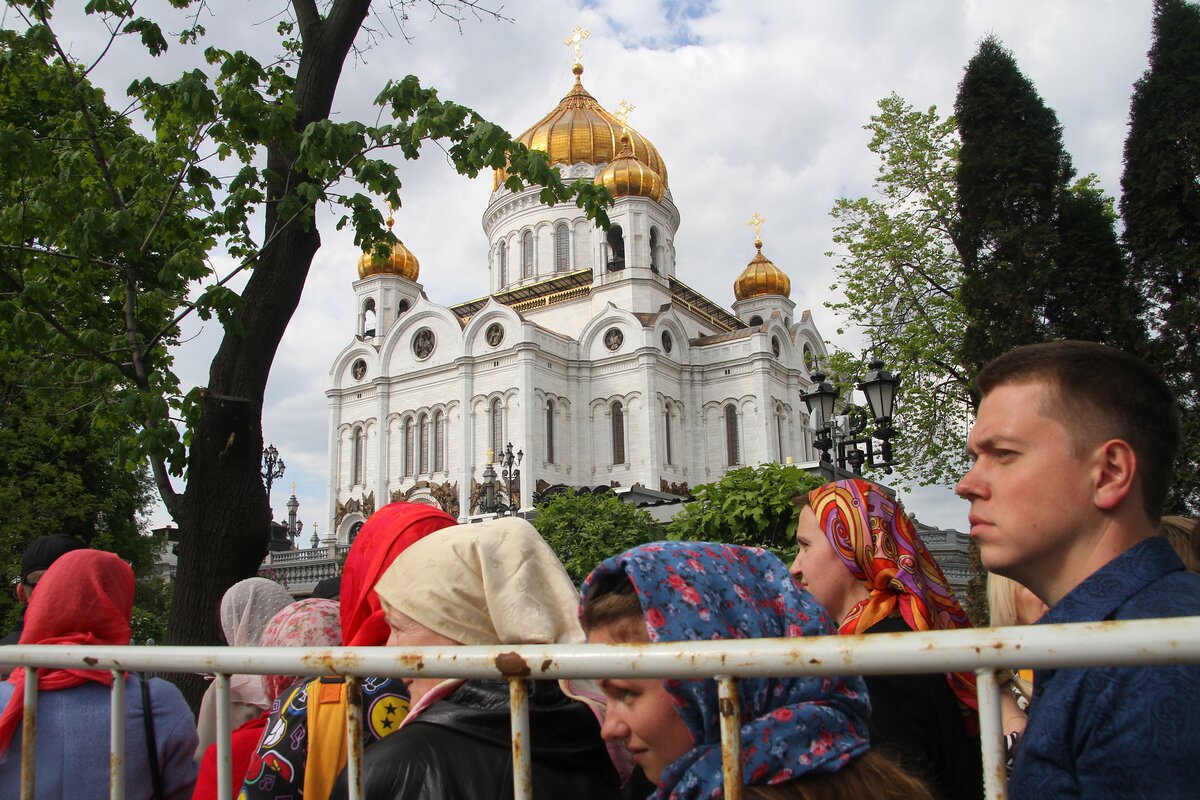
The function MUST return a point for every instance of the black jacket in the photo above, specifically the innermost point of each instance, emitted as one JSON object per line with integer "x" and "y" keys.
{"x": 460, "y": 749}
{"x": 915, "y": 720}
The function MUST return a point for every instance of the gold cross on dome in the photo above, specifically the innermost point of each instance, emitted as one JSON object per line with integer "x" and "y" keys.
{"x": 756, "y": 222}
{"x": 293, "y": 487}
{"x": 575, "y": 41}
{"x": 624, "y": 109}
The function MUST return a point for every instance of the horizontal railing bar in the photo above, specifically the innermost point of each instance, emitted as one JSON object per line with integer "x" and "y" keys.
{"x": 1126, "y": 643}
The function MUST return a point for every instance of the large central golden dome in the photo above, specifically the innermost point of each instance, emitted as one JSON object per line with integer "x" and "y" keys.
{"x": 579, "y": 129}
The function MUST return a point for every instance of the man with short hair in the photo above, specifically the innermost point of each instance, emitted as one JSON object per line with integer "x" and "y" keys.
{"x": 37, "y": 558}
{"x": 1072, "y": 452}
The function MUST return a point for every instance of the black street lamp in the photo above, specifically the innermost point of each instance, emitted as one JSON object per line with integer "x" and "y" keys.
{"x": 511, "y": 475}
{"x": 844, "y": 434}
{"x": 272, "y": 470}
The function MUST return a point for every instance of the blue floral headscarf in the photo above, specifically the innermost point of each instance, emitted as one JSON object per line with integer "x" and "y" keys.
{"x": 699, "y": 591}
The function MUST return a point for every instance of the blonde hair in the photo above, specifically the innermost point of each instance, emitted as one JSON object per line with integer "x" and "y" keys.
{"x": 1184, "y": 535}
{"x": 1002, "y": 601}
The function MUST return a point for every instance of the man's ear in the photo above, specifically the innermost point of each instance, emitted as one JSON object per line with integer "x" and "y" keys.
{"x": 1116, "y": 469}
{"x": 22, "y": 593}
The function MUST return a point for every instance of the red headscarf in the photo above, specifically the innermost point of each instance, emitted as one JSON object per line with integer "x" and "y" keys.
{"x": 879, "y": 545}
{"x": 388, "y": 532}
{"x": 85, "y": 597}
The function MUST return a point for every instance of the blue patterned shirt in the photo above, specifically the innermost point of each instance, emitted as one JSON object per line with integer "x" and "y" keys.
{"x": 1119, "y": 732}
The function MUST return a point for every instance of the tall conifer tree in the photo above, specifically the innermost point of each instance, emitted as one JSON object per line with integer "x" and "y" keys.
{"x": 1160, "y": 205}
{"x": 1012, "y": 172}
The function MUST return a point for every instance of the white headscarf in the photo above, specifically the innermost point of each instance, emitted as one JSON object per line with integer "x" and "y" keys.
{"x": 246, "y": 609}
{"x": 496, "y": 582}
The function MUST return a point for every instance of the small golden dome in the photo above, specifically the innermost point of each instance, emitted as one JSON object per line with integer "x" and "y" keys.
{"x": 401, "y": 262}
{"x": 761, "y": 277}
{"x": 579, "y": 129}
{"x": 626, "y": 176}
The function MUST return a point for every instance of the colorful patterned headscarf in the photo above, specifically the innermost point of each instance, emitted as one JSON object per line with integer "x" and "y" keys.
{"x": 698, "y": 591}
{"x": 311, "y": 622}
{"x": 879, "y": 544}
{"x": 85, "y": 597}
{"x": 387, "y": 533}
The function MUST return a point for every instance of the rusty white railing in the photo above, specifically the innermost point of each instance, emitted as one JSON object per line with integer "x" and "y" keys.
{"x": 1158, "y": 641}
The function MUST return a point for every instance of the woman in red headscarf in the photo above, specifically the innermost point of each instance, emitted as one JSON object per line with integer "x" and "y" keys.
{"x": 860, "y": 555}
{"x": 86, "y": 598}
{"x": 288, "y": 762}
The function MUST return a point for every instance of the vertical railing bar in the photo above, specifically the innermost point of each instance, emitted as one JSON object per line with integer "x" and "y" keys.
{"x": 29, "y": 734}
{"x": 991, "y": 735}
{"x": 116, "y": 726}
{"x": 730, "y": 709}
{"x": 354, "y": 737}
{"x": 224, "y": 751}
{"x": 518, "y": 701}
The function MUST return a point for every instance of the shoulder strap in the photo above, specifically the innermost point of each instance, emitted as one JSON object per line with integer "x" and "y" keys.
{"x": 326, "y": 736}
{"x": 151, "y": 743}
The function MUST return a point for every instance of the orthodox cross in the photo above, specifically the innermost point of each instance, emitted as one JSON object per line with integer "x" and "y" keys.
{"x": 575, "y": 41}
{"x": 756, "y": 222}
{"x": 623, "y": 111}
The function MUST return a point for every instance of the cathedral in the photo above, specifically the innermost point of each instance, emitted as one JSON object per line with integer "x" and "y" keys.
{"x": 590, "y": 354}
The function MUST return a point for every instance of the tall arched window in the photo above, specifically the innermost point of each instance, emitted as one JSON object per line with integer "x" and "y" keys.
{"x": 562, "y": 248}
{"x": 369, "y": 318}
{"x": 618, "y": 433}
{"x": 654, "y": 249}
{"x": 616, "y": 248}
{"x": 423, "y": 444}
{"x": 408, "y": 447}
{"x": 439, "y": 441}
{"x": 527, "y": 254}
{"x": 550, "y": 431}
{"x": 497, "y": 422}
{"x": 732, "y": 446}
{"x": 667, "y": 435}
{"x": 360, "y": 456}
{"x": 779, "y": 423}
{"x": 502, "y": 261}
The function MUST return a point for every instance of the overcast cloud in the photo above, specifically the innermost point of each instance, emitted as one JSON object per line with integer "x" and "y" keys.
{"x": 754, "y": 106}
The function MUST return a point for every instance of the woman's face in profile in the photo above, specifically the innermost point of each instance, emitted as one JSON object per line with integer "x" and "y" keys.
{"x": 407, "y": 632}
{"x": 641, "y": 714}
{"x": 820, "y": 570}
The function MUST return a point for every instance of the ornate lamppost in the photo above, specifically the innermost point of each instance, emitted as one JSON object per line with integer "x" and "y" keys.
{"x": 510, "y": 474}
{"x": 294, "y": 526}
{"x": 272, "y": 470}
{"x": 844, "y": 433}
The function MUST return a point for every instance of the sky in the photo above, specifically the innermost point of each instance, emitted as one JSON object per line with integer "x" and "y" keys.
{"x": 754, "y": 106}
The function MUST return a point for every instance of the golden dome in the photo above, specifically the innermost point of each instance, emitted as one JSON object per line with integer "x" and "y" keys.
{"x": 626, "y": 176}
{"x": 401, "y": 262}
{"x": 579, "y": 129}
{"x": 761, "y": 277}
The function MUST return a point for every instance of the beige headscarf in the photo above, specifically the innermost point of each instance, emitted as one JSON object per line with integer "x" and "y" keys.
{"x": 495, "y": 582}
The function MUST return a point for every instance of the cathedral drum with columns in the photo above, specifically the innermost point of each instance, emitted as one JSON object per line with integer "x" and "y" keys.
{"x": 590, "y": 353}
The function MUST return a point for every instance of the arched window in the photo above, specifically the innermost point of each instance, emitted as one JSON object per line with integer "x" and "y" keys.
{"x": 408, "y": 447}
{"x": 369, "y": 318}
{"x": 618, "y": 433}
{"x": 667, "y": 435}
{"x": 779, "y": 423}
{"x": 497, "y": 422}
{"x": 562, "y": 248}
{"x": 654, "y": 252}
{"x": 755, "y": 321}
{"x": 354, "y": 529}
{"x": 616, "y": 248}
{"x": 502, "y": 260}
{"x": 527, "y": 254}
{"x": 733, "y": 453}
{"x": 550, "y": 431}
{"x": 360, "y": 456}
{"x": 439, "y": 442}
{"x": 423, "y": 444}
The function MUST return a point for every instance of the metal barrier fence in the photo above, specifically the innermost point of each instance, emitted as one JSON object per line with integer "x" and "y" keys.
{"x": 1158, "y": 641}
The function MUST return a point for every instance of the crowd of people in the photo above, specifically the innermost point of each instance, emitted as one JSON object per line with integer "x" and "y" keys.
{"x": 1071, "y": 453}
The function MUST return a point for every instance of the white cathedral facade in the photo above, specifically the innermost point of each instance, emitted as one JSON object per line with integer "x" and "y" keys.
{"x": 591, "y": 354}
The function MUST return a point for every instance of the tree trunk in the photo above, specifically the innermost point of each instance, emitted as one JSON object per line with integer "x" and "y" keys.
{"x": 224, "y": 517}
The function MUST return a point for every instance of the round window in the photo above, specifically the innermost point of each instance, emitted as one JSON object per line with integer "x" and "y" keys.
{"x": 423, "y": 343}
{"x": 666, "y": 342}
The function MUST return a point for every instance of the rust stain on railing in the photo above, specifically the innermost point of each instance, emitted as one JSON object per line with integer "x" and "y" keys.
{"x": 511, "y": 665}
